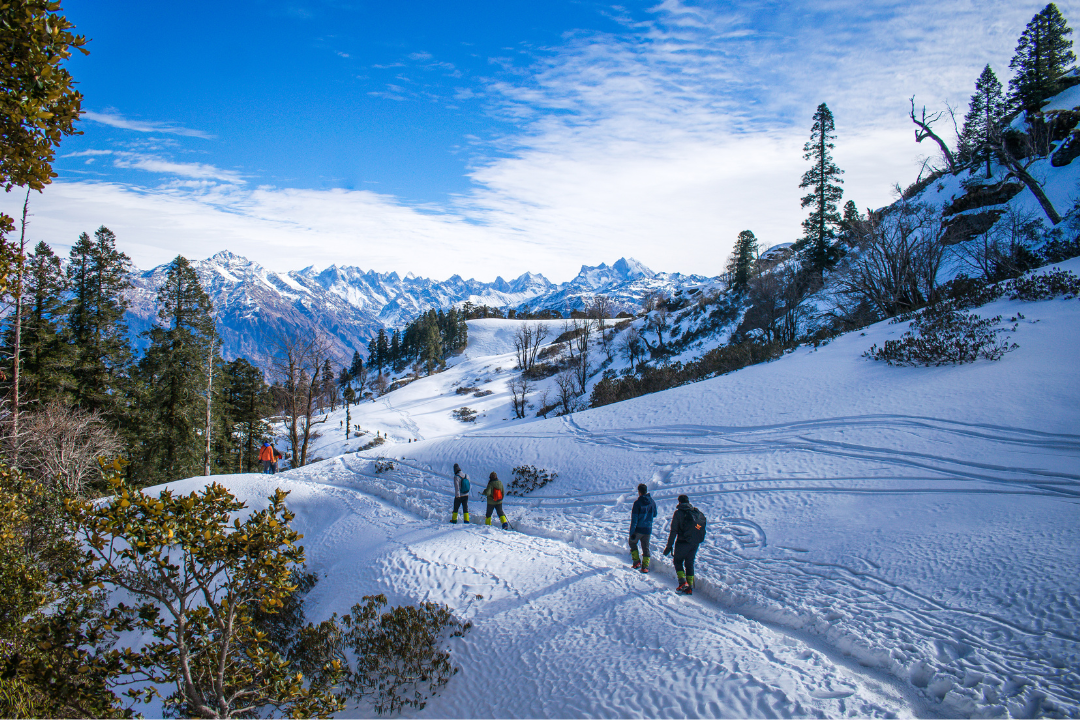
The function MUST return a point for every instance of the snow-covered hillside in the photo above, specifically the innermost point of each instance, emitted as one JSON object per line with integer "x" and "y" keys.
{"x": 883, "y": 540}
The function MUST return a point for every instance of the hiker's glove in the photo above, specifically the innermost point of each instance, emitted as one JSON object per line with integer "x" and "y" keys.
{"x": 667, "y": 550}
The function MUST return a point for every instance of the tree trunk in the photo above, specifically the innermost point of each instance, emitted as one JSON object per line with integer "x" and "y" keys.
{"x": 209, "y": 400}
{"x": 16, "y": 361}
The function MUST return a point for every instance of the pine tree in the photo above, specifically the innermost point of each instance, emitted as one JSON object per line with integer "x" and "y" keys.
{"x": 246, "y": 398}
{"x": 174, "y": 377}
{"x": 1043, "y": 55}
{"x": 823, "y": 178}
{"x": 741, "y": 265}
{"x": 46, "y": 355}
{"x": 98, "y": 275}
{"x": 985, "y": 112}
{"x": 357, "y": 365}
{"x": 382, "y": 347}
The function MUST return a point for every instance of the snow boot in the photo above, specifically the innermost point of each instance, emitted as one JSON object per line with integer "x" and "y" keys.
{"x": 636, "y": 564}
{"x": 645, "y": 565}
{"x": 487, "y": 521}
{"x": 685, "y": 589}
{"x": 636, "y": 558}
{"x": 453, "y": 518}
{"x": 506, "y": 525}
{"x": 466, "y": 518}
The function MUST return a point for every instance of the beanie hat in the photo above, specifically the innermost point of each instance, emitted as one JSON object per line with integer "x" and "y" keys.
{"x": 457, "y": 468}
{"x": 493, "y": 476}
{"x": 684, "y": 499}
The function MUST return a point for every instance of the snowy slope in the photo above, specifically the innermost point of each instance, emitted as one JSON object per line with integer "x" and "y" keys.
{"x": 883, "y": 541}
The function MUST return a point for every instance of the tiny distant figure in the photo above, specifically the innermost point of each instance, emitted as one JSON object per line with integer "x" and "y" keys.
{"x": 641, "y": 519}
{"x": 494, "y": 493}
{"x": 461, "y": 494}
{"x": 278, "y": 455}
{"x": 266, "y": 457}
{"x": 687, "y": 532}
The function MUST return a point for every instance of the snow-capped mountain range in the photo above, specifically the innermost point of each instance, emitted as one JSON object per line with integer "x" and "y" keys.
{"x": 253, "y": 305}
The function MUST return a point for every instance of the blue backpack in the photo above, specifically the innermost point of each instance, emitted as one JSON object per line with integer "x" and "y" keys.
{"x": 465, "y": 485}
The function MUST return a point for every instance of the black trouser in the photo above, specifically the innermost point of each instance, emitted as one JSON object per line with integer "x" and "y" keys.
{"x": 496, "y": 506}
{"x": 644, "y": 538}
{"x": 684, "y": 557}
{"x": 461, "y": 501}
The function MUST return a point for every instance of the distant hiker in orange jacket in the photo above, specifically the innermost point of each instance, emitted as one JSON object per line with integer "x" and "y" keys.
{"x": 267, "y": 455}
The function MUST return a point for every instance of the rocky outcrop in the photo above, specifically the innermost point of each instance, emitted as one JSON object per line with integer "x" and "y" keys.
{"x": 980, "y": 196}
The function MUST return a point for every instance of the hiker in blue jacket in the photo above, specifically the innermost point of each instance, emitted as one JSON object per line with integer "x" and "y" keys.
{"x": 461, "y": 494}
{"x": 641, "y": 517}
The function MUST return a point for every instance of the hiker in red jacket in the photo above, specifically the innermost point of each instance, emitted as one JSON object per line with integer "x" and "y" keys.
{"x": 494, "y": 493}
{"x": 266, "y": 457}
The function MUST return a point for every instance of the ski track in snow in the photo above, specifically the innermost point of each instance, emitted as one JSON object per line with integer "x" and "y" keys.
{"x": 882, "y": 541}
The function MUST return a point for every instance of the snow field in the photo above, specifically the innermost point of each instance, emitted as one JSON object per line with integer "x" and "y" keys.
{"x": 913, "y": 528}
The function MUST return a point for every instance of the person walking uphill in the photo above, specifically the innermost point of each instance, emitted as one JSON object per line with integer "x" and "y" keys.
{"x": 461, "y": 494}
{"x": 267, "y": 458}
{"x": 641, "y": 518}
{"x": 494, "y": 493}
{"x": 687, "y": 532}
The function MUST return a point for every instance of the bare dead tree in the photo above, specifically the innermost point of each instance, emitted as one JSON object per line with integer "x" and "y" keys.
{"x": 601, "y": 309}
{"x": 1033, "y": 145}
{"x": 659, "y": 319}
{"x": 997, "y": 253}
{"x": 776, "y": 307}
{"x": 896, "y": 270}
{"x": 925, "y": 130}
{"x": 566, "y": 390}
{"x": 62, "y": 445}
{"x": 519, "y": 389}
{"x": 631, "y": 347}
{"x": 523, "y": 339}
{"x": 582, "y": 339}
{"x": 539, "y": 334}
{"x": 297, "y": 361}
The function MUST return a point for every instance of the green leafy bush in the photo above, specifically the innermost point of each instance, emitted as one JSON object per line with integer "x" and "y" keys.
{"x": 528, "y": 478}
{"x": 944, "y": 337}
{"x": 1046, "y": 286}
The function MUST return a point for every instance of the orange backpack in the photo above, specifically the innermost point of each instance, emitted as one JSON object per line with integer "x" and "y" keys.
{"x": 496, "y": 494}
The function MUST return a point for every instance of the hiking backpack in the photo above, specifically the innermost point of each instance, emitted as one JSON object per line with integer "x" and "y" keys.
{"x": 465, "y": 485}
{"x": 496, "y": 495}
{"x": 696, "y": 531}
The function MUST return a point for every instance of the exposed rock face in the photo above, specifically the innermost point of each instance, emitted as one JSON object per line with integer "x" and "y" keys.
{"x": 980, "y": 196}
{"x": 962, "y": 228}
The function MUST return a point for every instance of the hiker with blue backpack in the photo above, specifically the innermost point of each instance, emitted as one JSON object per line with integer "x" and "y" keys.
{"x": 494, "y": 492}
{"x": 687, "y": 532}
{"x": 461, "y": 494}
{"x": 641, "y": 519}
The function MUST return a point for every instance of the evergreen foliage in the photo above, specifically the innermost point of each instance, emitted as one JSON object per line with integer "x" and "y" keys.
{"x": 46, "y": 351}
{"x": 741, "y": 265}
{"x": 985, "y": 113}
{"x": 1043, "y": 54}
{"x": 246, "y": 400}
{"x": 174, "y": 378}
{"x": 823, "y": 180}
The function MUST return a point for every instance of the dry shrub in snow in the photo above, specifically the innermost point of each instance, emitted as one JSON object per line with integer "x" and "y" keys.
{"x": 62, "y": 445}
{"x": 1045, "y": 287}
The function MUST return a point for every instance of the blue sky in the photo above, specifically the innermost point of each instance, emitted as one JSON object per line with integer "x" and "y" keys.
{"x": 494, "y": 138}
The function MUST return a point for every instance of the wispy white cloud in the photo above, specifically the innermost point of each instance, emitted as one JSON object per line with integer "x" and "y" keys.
{"x": 660, "y": 142}
{"x": 116, "y": 120}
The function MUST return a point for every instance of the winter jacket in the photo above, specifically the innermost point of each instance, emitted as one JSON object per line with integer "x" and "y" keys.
{"x": 681, "y": 523}
{"x": 266, "y": 454}
{"x": 491, "y": 486}
{"x": 458, "y": 477}
{"x": 642, "y": 514}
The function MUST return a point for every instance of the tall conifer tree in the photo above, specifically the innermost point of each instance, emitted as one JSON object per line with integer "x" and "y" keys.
{"x": 985, "y": 112}
{"x": 98, "y": 275}
{"x": 174, "y": 373}
{"x": 742, "y": 260}
{"x": 1043, "y": 54}
{"x": 823, "y": 180}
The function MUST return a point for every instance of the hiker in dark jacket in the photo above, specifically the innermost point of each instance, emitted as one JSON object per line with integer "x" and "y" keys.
{"x": 641, "y": 517}
{"x": 461, "y": 494}
{"x": 494, "y": 493}
{"x": 685, "y": 536}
